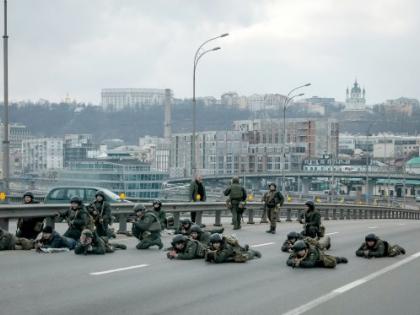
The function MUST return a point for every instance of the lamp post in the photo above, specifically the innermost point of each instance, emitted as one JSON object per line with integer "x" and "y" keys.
{"x": 286, "y": 102}
{"x": 6, "y": 164}
{"x": 197, "y": 56}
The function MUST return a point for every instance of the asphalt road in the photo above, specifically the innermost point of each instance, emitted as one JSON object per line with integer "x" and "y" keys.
{"x": 32, "y": 283}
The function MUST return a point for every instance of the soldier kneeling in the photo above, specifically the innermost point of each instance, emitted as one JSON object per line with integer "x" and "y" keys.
{"x": 146, "y": 228}
{"x": 90, "y": 244}
{"x": 307, "y": 256}
{"x": 375, "y": 247}
{"x": 226, "y": 249}
{"x": 186, "y": 249}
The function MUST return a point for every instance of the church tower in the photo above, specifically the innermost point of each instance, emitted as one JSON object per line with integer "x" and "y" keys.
{"x": 355, "y": 100}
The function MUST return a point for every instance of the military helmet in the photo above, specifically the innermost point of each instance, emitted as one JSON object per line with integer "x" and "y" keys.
{"x": 235, "y": 180}
{"x": 179, "y": 239}
{"x": 157, "y": 202}
{"x": 100, "y": 193}
{"x": 139, "y": 207}
{"x": 87, "y": 233}
{"x": 310, "y": 204}
{"x": 371, "y": 237}
{"x": 196, "y": 228}
{"x": 28, "y": 194}
{"x": 272, "y": 184}
{"x": 216, "y": 238}
{"x": 299, "y": 245}
{"x": 186, "y": 221}
{"x": 293, "y": 235}
{"x": 77, "y": 200}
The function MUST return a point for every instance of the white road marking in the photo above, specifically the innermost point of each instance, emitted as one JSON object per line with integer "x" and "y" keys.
{"x": 117, "y": 270}
{"x": 401, "y": 224}
{"x": 332, "y": 294}
{"x": 264, "y": 244}
{"x": 372, "y": 227}
{"x": 332, "y": 233}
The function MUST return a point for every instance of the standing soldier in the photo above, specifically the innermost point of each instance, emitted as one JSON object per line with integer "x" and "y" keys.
{"x": 307, "y": 256}
{"x": 146, "y": 228}
{"x": 77, "y": 218}
{"x": 273, "y": 200}
{"x": 222, "y": 249}
{"x": 29, "y": 228}
{"x": 312, "y": 223}
{"x": 197, "y": 193}
{"x": 237, "y": 196}
{"x": 100, "y": 210}
{"x": 374, "y": 247}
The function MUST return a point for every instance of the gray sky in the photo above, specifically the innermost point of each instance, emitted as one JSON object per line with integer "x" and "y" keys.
{"x": 81, "y": 46}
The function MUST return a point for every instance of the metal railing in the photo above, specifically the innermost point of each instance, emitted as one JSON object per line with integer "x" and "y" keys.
{"x": 289, "y": 211}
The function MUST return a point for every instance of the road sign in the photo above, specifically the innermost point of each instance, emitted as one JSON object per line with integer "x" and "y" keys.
{"x": 3, "y": 196}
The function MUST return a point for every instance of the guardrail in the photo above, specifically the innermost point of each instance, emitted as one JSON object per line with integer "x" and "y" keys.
{"x": 290, "y": 211}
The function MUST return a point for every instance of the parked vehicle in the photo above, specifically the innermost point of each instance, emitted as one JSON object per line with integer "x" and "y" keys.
{"x": 87, "y": 194}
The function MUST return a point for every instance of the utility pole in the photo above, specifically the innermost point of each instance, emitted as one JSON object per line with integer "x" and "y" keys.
{"x": 6, "y": 163}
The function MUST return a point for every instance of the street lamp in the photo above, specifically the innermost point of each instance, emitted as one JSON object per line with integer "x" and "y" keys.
{"x": 286, "y": 102}
{"x": 197, "y": 56}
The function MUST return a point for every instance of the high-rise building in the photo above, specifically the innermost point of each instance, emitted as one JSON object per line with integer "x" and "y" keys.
{"x": 77, "y": 147}
{"x": 254, "y": 146}
{"x": 118, "y": 99}
{"x": 42, "y": 154}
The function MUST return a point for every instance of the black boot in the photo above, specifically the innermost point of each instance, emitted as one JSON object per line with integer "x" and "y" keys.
{"x": 341, "y": 260}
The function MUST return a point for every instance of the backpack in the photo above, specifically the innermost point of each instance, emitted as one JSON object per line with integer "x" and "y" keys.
{"x": 328, "y": 260}
{"x": 236, "y": 192}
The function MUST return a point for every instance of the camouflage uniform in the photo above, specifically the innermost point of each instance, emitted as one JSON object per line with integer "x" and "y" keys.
{"x": 102, "y": 216}
{"x": 312, "y": 221}
{"x": 229, "y": 252}
{"x": 96, "y": 247}
{"x": 147, "y": 229}
{"x": 237, "y": 195}
{"x": 379, "y": 249}
{"x": 10, "y": 242}
{"x": 192, "y": 250}
{"x": 78, "y": 219}
{"x": 273, "y": 200}
{"x": 313, "y": 257}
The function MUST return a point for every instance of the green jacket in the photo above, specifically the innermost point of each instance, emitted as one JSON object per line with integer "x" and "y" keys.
{"x": 235, "y": 190}
{"x": 148, "y": 222}
{"x": 379, "y": 250}
{"x": 78, "y": 219}
{"x": 103, "y": 209}
{"x": 312, "y": 259}
{"x": 204, "y": 238}
{"x": 313, "y": 219}
{"x": 194, "y": 191}
{"x": 192, "y": 250}
{"x": 225, "y": 254}
{"x": 97, "y": 247}
{"x": 272, "y": 199}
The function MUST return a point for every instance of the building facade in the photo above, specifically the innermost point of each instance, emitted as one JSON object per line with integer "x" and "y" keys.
{"x": 42, "y": 154}
{"x": 355, "y": 98}
{"x": 129, "y": 176}
{"x": 118, "y": 99}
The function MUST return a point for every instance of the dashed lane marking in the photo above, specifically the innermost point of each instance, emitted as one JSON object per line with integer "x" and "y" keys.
{"x": 264, "y": 244}
{"x": 332, "y": 294}
{"x": 117, "y": 270}
{"x": 372, "y": 227}
{"x": 332, "y": 233}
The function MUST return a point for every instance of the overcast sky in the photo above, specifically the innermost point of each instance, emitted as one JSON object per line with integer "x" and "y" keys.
{"x": 81, "y": 46}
